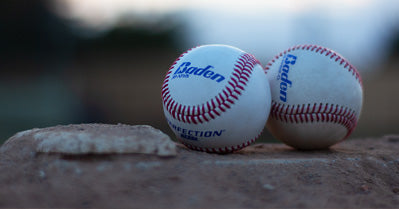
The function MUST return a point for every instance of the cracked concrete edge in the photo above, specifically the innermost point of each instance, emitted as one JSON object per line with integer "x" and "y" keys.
{"x": 79, "y": 139}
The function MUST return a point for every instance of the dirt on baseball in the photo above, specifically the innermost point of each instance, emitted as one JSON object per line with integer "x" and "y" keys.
{"x": 357, "y": 173}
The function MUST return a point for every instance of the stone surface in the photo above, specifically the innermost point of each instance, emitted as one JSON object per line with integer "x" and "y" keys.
{"x": 95, "y": 139}
{"x": 357, "y": 173}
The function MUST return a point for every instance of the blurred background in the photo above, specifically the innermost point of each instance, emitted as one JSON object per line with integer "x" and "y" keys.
{"x": 103, "y": 61}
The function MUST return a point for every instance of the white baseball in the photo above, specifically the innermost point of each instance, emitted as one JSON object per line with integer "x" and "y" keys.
{"x": 216, "y": 98}
{"x": 316, "y": 97}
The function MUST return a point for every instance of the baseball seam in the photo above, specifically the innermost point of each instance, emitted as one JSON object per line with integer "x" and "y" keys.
{"x": 217, "y": 105}
{"x": 321, "y": 50}
{"x": 222, "y": 149}
{"x": 309, "y": 113}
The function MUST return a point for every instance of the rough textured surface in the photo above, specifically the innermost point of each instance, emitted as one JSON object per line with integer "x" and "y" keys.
{"x": 355, "y": 173}
{"x": 96, "y": 139}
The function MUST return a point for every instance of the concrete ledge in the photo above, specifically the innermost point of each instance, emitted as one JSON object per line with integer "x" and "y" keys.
{"x": 355, "y": 173}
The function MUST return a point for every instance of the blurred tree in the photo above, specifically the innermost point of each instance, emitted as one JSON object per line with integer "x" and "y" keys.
{"x": 31, "y": 34}
{"x": 394, "y": 46}
{"x": 39, "y": 53}
{"x": 130, "y": 38}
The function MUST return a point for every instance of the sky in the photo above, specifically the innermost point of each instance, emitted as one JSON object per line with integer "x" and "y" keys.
{"x": 358, "y": 29}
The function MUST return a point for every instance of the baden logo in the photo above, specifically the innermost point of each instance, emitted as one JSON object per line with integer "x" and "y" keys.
{"x": 288, "y": 60}
{"x": 185, "y": 70}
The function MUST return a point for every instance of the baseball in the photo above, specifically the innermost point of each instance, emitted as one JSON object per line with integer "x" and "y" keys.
{"x": 216, "y": 98}
{"x": 316, "y": 97}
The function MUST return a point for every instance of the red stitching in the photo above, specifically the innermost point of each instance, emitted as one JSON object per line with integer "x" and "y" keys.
{"x": 239, "y": 79}
{"x": 334, "y": 114}
{"x": 222, "y": 149}
{"x": 325, "y": 51}
{"x": 213, "y": 108}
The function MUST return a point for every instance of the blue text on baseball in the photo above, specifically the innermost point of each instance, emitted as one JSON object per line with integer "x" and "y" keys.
{"x": 285, "y": 83}
{"x": 195, "y": 134}
{"x": 185, "y": 70}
